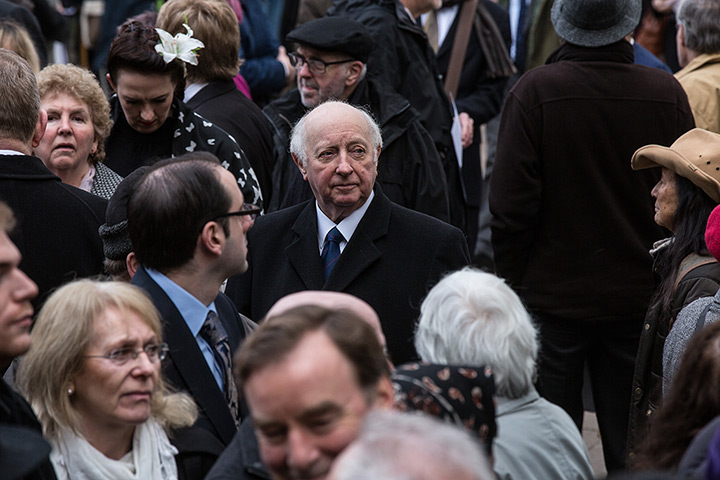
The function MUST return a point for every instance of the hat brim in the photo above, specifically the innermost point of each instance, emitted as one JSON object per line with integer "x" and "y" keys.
{"x": 651, "y": 156}
{"x": 595, "y": 38}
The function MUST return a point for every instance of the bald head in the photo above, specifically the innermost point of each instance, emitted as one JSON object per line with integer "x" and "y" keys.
{"x": 331, "y": 301}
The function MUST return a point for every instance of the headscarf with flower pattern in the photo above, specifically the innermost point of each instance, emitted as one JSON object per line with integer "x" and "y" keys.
{"x": 464, "y": 396}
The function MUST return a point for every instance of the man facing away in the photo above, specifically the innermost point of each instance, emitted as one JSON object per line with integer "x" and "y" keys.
{"x": 57, "y": 224}
{"x": 698, "y": 47}
{"x": 187, "y": 224}
{"x": 572, "y": 223}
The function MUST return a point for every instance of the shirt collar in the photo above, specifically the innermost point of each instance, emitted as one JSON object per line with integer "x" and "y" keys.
{"x": 11, "y": 152}
{"x": 193, "y": 311}
{"x": 347, "y": 226}
{"x": 192, "y": 90}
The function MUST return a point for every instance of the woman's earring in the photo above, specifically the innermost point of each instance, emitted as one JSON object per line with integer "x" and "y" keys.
{"x": 70, "y": 391}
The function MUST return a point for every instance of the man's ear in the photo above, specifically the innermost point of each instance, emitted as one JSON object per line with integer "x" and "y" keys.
{"x": 212, "y": 238}
{"x": 385, "y": 394}
{"x": 39, "y": 128}
{"x": 353, "y": 73}
{"x": 300, "y": 166}
{"x": 681, "y": 35}
{"x": 131, "y": 264}
{"x": 110, "y": 82}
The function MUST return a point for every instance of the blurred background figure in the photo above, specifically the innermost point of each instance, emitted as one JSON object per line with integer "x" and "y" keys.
{"x": 698, "y": 48}
{"x": 93, "y": 377}
{"x": 400, "y": 446}
{"x": 73, "y": 147}
{"x": 15, "y": 37}
{"x": 692, "y": 402}
{"x": 210, "y": 90}
{"x": 694, "y": 316}
{"x": 473, "y": 318}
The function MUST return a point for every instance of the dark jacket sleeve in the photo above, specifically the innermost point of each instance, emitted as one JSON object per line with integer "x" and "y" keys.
{"x": 515, "y": 191}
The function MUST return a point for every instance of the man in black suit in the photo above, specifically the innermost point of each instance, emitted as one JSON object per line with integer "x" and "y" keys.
{"x": 187, "y": 224}
{"x": 351, "y": 238}
{"x": 57, "y": 224}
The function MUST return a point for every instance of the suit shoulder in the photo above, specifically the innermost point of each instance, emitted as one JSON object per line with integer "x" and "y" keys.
{"x": 277, "y": 220}
{"x": 94, "y": 204}
{"x": 422, "y": 223}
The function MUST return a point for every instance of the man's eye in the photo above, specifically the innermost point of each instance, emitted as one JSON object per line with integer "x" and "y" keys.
{"x": 274, "y": 436}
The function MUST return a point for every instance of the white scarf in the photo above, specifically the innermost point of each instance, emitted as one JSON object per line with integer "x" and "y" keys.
{"x": 151, "y": 457}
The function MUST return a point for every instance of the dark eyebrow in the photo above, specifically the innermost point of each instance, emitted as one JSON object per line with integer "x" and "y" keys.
{"x": 323, "y": 408}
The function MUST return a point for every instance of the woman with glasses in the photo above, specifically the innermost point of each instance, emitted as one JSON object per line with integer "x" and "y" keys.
{"x": 93, "y": 375}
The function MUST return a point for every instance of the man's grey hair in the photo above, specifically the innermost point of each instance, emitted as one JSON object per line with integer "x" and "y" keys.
{"x": 407, "y": 446}
{"x": 298, "y": 136}
{"x": 701, "y": 23}
{"x": 474, "y": 318}
{"x": 19, "y": 98}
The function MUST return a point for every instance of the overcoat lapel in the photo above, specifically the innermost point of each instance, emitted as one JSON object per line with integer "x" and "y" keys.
{"x": 303, "y": 252}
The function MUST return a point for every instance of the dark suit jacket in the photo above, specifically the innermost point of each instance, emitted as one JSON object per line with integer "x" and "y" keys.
{"x": 186, "y": 370}
{"x": 57, "y": 224}
{"x": 394, "y": 257}
{"x": 224, "y": 105}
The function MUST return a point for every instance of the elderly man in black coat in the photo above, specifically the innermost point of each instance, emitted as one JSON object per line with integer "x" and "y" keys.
{"x": 351, "y": 238}
{"x": 57, "y": 228}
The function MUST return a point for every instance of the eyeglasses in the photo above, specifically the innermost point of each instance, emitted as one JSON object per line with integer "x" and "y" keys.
{"x": 318, "y": 67}
{"x": 247, "y": 209}
{"x": 120, "y": 356}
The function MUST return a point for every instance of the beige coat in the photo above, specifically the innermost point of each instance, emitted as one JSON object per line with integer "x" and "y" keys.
{"x": 701, "y": 80}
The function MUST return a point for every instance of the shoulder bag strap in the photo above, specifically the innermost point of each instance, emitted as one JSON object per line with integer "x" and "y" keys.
{"x": 460, "y": 44}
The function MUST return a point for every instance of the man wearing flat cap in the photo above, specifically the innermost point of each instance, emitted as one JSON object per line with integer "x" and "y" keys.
{"x": 572, "y": 223}
{"x": 331, "y": 62}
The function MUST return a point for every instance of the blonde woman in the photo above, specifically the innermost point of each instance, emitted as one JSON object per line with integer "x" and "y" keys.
{"x": 93, "y": 377}
{"x": 14, "y": 37}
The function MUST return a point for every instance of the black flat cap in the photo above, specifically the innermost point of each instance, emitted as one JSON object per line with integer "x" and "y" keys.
{"x": 334, "y": 34}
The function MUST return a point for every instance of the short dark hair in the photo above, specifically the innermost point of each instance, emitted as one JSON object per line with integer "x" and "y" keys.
{"x": 279, "y": 335}
{"x": 133, "y": 49}
{"x": 170, "y": 206}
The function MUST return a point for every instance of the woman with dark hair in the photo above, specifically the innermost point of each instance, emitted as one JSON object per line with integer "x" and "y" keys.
{"x": 147, "y": 72}
{"x": 693, "y": 401}
{"x": 688, "y": 190}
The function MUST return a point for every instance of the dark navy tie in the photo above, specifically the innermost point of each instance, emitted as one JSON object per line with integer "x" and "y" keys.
{"x": 331, "y": 251}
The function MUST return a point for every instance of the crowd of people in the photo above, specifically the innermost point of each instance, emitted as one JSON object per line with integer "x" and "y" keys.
{"x": 222, "y": 258}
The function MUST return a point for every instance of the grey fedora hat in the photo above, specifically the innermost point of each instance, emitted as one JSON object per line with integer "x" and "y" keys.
{"x": 594, "y": 23}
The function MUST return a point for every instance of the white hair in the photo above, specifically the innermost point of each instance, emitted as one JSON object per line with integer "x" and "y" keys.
{"x": 406, "y": 446}
{"x": 473, "y": 318}
{"x": 298, "y": 136}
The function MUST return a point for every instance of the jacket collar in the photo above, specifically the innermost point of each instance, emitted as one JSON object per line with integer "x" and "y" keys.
{"x": 698, "y": 63}
{"x": 24, "y": 167}
{"x": 619, "y": 52}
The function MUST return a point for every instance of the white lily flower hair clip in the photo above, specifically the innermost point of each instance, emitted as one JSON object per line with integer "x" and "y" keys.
{"x": 181, "y": 46}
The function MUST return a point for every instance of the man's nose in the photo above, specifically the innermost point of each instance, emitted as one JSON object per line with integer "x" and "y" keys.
{"x": 302, "y": 452}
